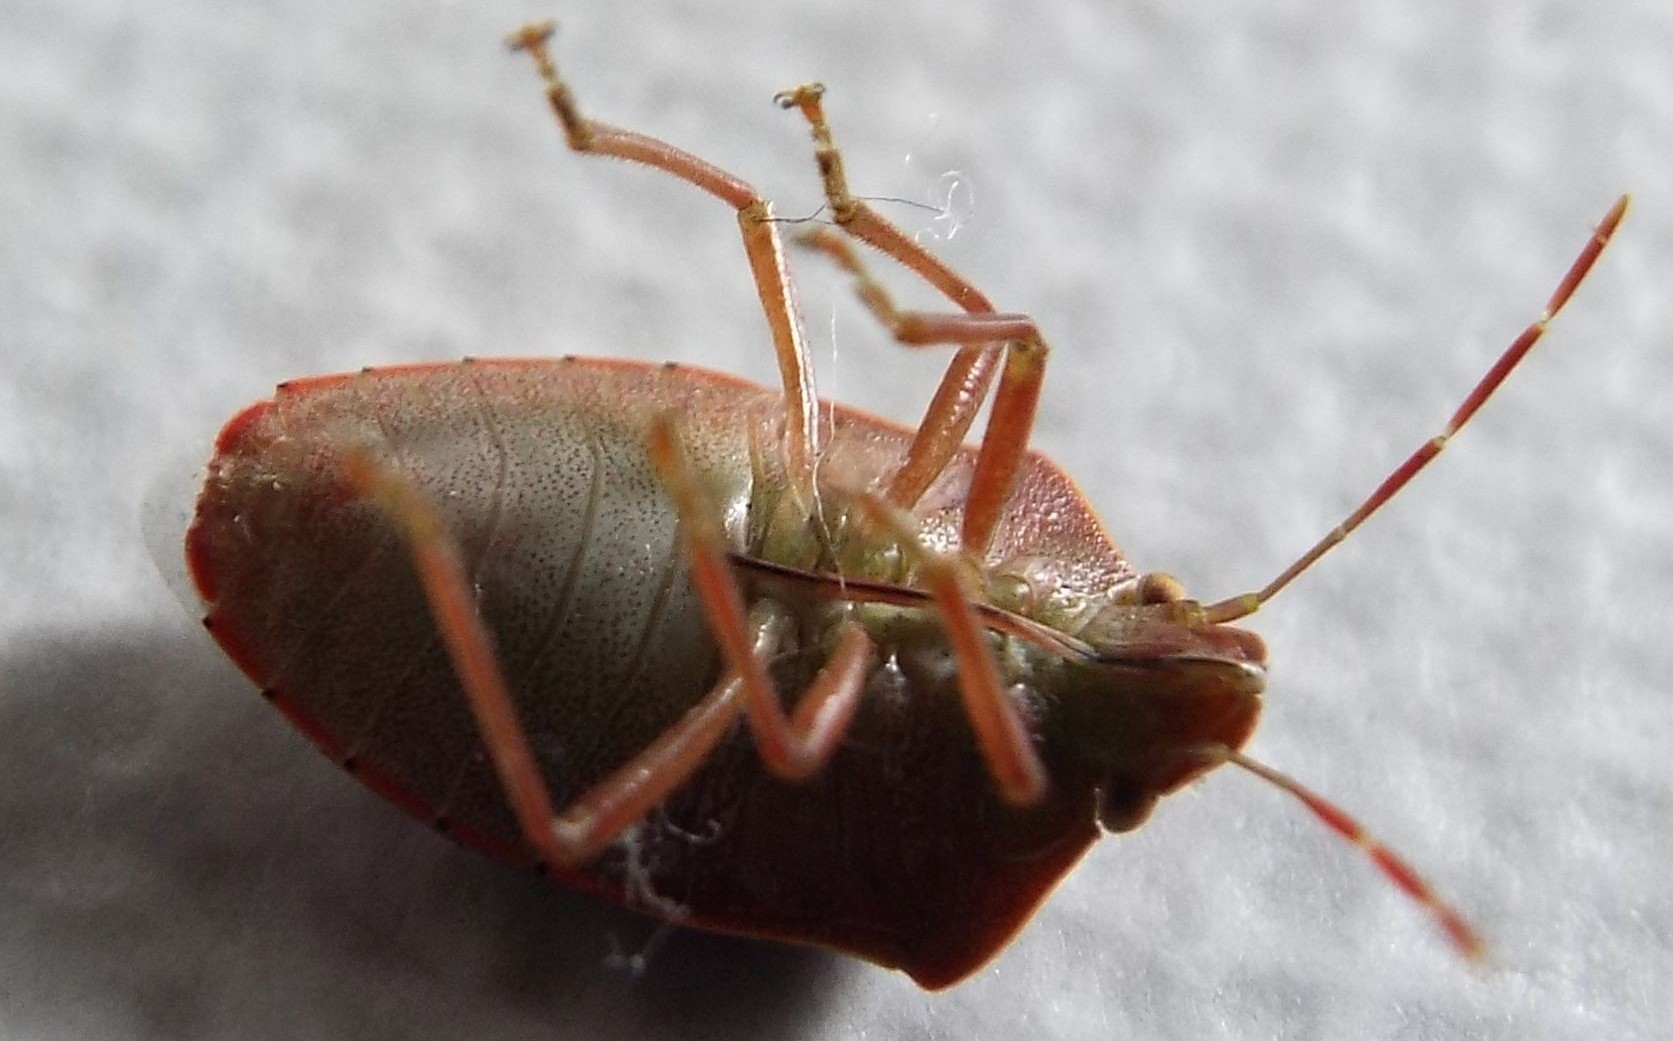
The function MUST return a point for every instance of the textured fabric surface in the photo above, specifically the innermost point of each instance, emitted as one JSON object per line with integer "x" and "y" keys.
{"x": 1272, "y": 245}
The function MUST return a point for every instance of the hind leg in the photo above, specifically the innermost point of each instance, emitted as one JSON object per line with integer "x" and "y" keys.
{"x": 793, "y": 746}
{"x": 756, "y": 224}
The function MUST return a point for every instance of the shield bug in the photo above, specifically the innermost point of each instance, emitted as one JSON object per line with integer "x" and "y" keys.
{"x": 759, "y": 663}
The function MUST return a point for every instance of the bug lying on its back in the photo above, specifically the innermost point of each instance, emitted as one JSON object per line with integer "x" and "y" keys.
{"x": 531, "y": 601}
{"x": 540, "y": 473}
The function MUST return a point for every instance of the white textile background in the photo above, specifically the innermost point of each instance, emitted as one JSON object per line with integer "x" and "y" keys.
{"x": 1271, "y": 244}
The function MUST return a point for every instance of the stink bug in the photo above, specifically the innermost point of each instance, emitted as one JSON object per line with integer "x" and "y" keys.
{"x": 797, "y": 671}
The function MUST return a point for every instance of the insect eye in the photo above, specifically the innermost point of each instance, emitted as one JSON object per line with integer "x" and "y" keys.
{"x": 1123, "y": 803}
{"x": 1159, "y": 587}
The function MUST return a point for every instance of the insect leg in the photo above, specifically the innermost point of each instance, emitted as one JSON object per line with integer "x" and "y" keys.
{"x": 1005, "y": 441}
{"x": 994, "y": 716}
{"x": 1237, "y": 607}
{"x": 761, "y": 239}
{"x": 448, "y": 589}
{"x": 600, "y": 815}
{"x": 970, "y": 374}
{"x": 792, "y": 747}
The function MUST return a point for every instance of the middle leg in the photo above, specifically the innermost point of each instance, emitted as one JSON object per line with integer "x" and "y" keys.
{"x": 1005, "y": 441}
{"x": 979, "y": 332}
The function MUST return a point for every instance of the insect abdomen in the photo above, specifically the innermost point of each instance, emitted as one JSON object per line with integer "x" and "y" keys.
{"x": 539, "y": 472}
